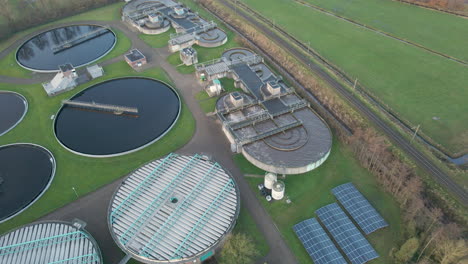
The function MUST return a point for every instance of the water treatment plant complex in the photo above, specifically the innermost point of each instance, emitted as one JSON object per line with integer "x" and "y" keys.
{"x": 157, "y": 131}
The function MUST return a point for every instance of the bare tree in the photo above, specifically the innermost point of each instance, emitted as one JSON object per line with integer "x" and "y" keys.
{"x": 450, "y": 251}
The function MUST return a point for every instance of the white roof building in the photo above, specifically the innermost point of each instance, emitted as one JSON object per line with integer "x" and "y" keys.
{"x": 174, "y": 210}
{"x": 49, "y": 242}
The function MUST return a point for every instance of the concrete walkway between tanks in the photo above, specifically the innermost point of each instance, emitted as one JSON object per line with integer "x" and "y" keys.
{"x": 208, "y": 139}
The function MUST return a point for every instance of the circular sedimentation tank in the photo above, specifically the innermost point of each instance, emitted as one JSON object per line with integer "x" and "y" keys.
{"x": 94, "y": 132}
{"x": 49, "y": 242}
{"x": 13, "y": 108}
{"x": 178, "y": 209}
{"x": 26, "y": 172}
{"x": 78, "y": 45}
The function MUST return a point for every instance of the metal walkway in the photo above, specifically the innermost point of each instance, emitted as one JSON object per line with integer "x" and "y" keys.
{"x": 101, "y": 107}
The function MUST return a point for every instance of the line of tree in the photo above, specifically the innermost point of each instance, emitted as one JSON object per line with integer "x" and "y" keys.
{"x": 24, "y": 14}
{"x": 432, "y": 233}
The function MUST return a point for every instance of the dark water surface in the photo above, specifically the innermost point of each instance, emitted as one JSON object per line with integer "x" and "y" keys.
{"x": 26, "y": 171}
{"x": 12, "y": 108}
{"x": 38, "y": 54}
{"x": 103, "y": 133}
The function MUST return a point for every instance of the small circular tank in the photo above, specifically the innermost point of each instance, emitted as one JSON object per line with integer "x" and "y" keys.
{"x": 270, "y": 179}
{"x": 277, "y": 192}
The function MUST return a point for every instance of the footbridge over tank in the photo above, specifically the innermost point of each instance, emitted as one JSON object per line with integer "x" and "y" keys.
{"x": 117, "y": 109}
{"x": 80, "y": 39}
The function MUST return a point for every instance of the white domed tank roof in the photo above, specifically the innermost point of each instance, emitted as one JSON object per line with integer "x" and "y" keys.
{"x": 277, "y": 192}
{"x": 174, "y": 210}
{"x": 49, "y": 242}
{"x": 270, "y": 179}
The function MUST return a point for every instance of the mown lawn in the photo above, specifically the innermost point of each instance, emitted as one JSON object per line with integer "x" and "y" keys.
{"x": 85, "y": 174}
{"x": 174, "y": 60}
{"x": 436, "y": 30}
{"x": 421, "y": 87}
{"x": 312, "y": 190}
{"x": 9, "y": 67}
{"x": 157, "y": 41}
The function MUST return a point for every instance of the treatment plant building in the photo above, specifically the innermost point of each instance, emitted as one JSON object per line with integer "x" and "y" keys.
{"x": 177, "y": 209}
{"x": 157, "y": 16}
{"x": 272, "y": 126}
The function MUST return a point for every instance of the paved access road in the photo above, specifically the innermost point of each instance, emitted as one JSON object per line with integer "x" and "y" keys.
{"x": 424, "y": 162}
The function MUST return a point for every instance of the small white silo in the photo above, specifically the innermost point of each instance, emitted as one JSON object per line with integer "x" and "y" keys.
{"x": 270, "y": 179}
{"x": 277, "y": 192}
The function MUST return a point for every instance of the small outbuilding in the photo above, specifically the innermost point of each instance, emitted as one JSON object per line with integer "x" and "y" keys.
{"x": 188, "y": 56}
{"x": 95, "y": 71}
{"x": 64, "y": 80}
{"x": 135, "y": 58}
{"x": 214, "y": 88}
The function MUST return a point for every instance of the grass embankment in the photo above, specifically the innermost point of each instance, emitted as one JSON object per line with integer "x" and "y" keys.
{"x": 207, "y": 103}
{"x": 85, "y": 174}
{"x": 312, "y": 190}
{"x": 421, "y": 87}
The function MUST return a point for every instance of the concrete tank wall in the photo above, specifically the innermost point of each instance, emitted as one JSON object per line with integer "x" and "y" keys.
{"x": 282, "y": 169}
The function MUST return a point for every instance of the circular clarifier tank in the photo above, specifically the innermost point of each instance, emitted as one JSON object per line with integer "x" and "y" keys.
{"x": 26, "y": 172}
{"x": 13, "y": 108}
{"x": 78, "y": 45}
{"x": 91, "y": 130}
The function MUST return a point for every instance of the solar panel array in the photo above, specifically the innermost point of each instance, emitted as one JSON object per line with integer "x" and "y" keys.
{"x": 359, "y": 208}
{"x": 349, "y": 238}
{"x": 317, "y": 243}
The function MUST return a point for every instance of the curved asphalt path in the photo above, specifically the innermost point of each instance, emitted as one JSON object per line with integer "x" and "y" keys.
{"x": 420, "y": 159}
{"x": 208, "y": 139}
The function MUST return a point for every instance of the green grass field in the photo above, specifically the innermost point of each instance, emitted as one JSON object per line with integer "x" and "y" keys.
{"x": 312, "y": 190}
{"x": 85, "y": 174}
{"x": 441, "y": 32}
{"x": 416, "y": 84}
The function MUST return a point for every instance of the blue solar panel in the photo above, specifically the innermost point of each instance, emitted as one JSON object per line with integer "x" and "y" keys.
{"x": 359, "y": 208}
{"x": 346, "y": 234}
{"x": 317, "y": 243}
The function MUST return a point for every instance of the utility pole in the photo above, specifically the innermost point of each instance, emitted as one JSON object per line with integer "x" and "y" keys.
{"x": 415, "y": 132}
{"x": 235, "y": 6}
{"x": 308, "y": 47}
{"x": 354, "y": 86}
